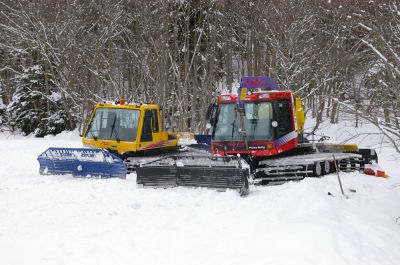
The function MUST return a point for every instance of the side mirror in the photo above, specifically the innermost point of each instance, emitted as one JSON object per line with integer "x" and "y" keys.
{"x": 210, "y": 111}
{"x": 82, "y": 131}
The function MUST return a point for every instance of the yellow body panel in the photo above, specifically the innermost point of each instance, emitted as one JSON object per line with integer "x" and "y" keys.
{"x": 299, "y": 114}
{"x": 160, "y": 139}
{"x": 350, "y": 147}
{"x": 183, "y": 135}
{"x": 328, "y": 147}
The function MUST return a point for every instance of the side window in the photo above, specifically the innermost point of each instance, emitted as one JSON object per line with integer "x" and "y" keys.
{"x": 155, "y": 120}
{"x": 146, "y": 130}
{"x": 283, "y": 117}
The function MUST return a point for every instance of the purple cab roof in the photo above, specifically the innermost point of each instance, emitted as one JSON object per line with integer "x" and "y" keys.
{"x": 259, "y": 82}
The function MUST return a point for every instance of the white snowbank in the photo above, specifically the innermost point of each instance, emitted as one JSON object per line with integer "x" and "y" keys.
{"x": 64, "y": 220}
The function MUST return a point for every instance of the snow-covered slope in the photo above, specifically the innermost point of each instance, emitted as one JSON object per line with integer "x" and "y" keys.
{"x": 64, "y": 220}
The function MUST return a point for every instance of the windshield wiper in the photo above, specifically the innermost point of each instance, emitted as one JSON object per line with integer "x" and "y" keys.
{"x": 112, "y": 130}
{"x": 253, "y": 129}
{"x": 234, "y": 123}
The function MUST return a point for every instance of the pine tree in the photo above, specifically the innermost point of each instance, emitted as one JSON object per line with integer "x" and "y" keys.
{"x": 36, "y": 108}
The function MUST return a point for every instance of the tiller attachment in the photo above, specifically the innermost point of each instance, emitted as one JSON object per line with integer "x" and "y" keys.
{"x": 195, "y": 171}
{"x": 81, "y": 162}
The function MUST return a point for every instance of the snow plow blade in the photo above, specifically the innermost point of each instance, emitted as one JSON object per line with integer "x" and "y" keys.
{"x": 219, "y": 173}
{"x": 81, "y": 162}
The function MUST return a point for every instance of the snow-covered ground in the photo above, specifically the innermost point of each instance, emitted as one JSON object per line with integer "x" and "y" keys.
{"x": 64, "y": 220}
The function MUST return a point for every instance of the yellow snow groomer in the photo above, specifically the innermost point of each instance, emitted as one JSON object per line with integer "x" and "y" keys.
{"x": 127, "y": 129}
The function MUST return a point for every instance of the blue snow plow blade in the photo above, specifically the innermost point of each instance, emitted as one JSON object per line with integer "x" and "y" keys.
{"x": 81, "y": 162}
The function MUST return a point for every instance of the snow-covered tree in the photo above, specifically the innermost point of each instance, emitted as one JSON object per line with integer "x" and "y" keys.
{"x": 181, "y": 54}
{"x": 2, "y": 106}
{"x": 36, "y": 107}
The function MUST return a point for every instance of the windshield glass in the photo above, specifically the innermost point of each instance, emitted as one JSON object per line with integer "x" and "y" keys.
{"x": 257, "y": 122}
{"x": 114, "y": 124}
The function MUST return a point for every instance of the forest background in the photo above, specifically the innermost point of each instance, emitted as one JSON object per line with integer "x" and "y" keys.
{"x": 60, "y": 57}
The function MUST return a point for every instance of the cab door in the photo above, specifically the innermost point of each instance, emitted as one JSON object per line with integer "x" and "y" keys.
{"x": 150, "y": 136}
{"x": 155, "y": 125}
{"x": 283, "y": 115}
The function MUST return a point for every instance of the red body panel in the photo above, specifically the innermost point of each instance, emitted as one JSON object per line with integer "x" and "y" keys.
{"x": 258, "y": 148}
{"x": 218, "y": 148}
{"x": 257, "y": 96}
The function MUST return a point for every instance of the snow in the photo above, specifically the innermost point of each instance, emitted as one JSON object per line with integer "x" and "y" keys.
{"x": 66, "y": 220}
{"x": 92, "y": 155}
{"x": 56, "y": 96}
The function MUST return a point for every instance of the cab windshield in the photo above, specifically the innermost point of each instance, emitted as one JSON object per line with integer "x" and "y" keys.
{"x": 257, "y": 122}
{"x": 114, "y": 124}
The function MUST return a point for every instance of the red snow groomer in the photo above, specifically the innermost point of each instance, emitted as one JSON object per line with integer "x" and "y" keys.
{"x": 265, "y": 126}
